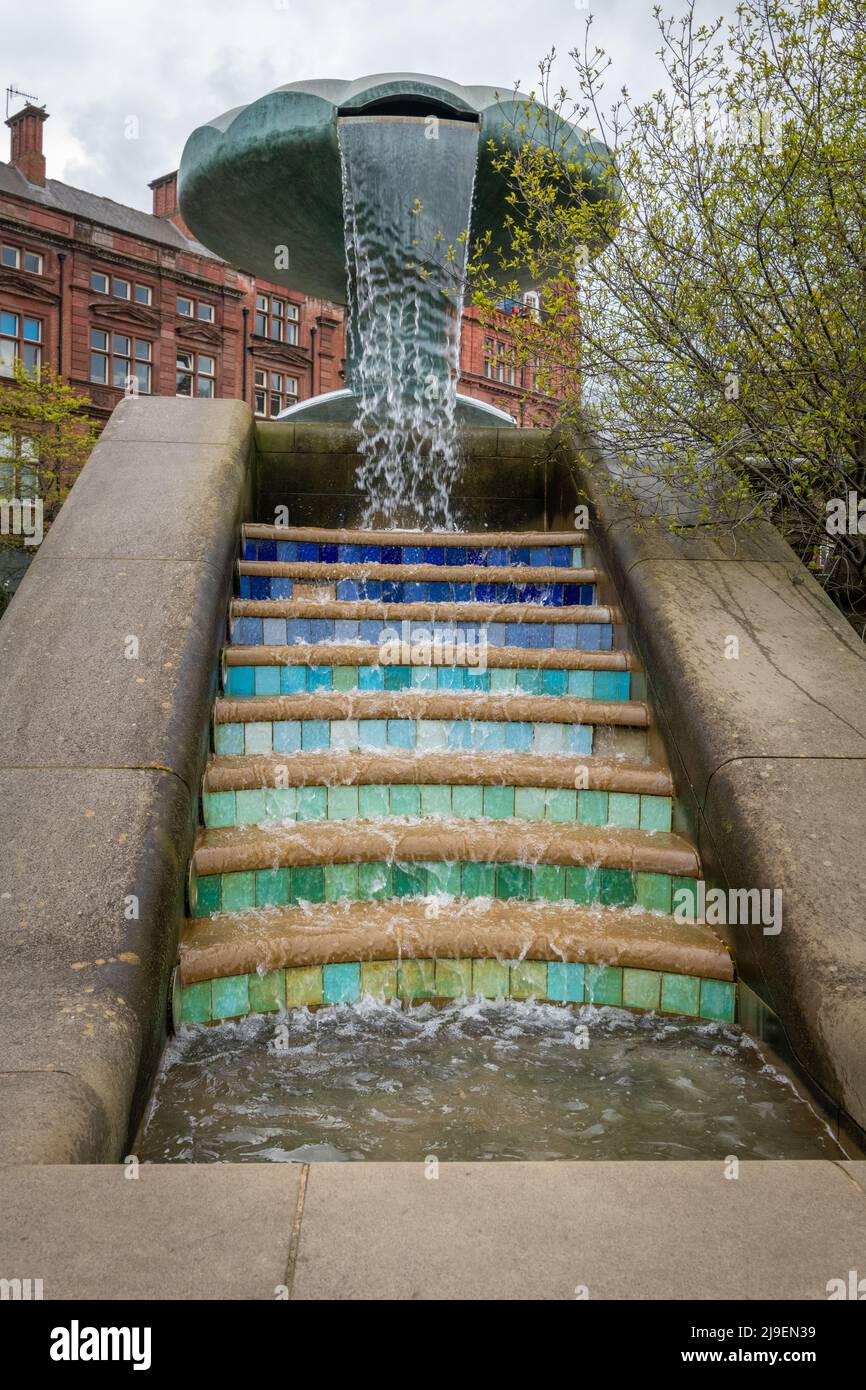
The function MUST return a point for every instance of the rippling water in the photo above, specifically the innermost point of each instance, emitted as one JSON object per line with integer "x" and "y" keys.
{"x": 476, "y": 1080}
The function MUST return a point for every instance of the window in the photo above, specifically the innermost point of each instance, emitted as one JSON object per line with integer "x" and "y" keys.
{"x": 195, "y": 309}
{"x": 495, "y": 365}
{"x": 185, "y": 307}
{"x": 143, "y": 294}
{"x": 99, "y": 282}
{"x": 16, "y": 259}
{"x": 121, "y": 289}
{"x": 276, "y": 319}
{"x": 19, "y": 465}
{"x": 32, "y": 263}
{"x": 20, "y": 338}
{"x": 11, "y": 256}
{"x": 119, "y": 360}
{"x": 274, "y": 391}
{"x": 205, "y": 312}
{"x": 196, "y": 374}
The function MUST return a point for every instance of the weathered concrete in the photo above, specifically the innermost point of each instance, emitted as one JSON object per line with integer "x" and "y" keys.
{"x": 101, "y": 764}
{"x": 768, "y": 751}
{"x": 478, "y": 1231}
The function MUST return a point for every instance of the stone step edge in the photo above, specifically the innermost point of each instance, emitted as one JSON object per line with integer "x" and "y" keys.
{"x": 372, "y": 610}
{"x": 446, "y": 705}
{"x": 310, "y": 570}
{"x": 239, "y": 849}
{"x": 250, "y": 772}
{"x": 242, "y": 943}
{"x": 480, "y": 540}
{"x": 370, "y": 654}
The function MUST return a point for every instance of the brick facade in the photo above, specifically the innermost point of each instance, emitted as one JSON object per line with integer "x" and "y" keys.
{"x": 102, "y": 293}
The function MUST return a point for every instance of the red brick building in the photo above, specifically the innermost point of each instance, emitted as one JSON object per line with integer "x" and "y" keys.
{"x": 108, "y": 295}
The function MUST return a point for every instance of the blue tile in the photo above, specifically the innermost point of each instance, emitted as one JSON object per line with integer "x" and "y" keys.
{"x": 455, "y": 555}
{"x": 522, "y": 555}
{"x": 372, "y": 733}
{"x": 565, "y": 982}
{"x": 485, "y": 593}
{"x": 540, "y": 635}
{"x": 247, "y": 631}
{"x": 315, "y": 733}
{"x": 346, "y": 630}
{"x": 274, "y": 632}
{"x": 554, "y": 682}
{"x": 260, "y": 587}
{"x": 434, "y": 555}
{"x": 281, "y": 588}
{"x": 459, "y": 733}
{"x": 250, "y": 550}
{"x": 610, "y": 685}
{"x": 320, "y": 678}
{"x": 462, "y": 593}
{"x": 518, "y": 738}
{"x": 341, "y": 984}
{"x": 565, "y": 636}
{"x": 267, "y": 550}
{"x": 560, "y": 555}
{"x": 267, "y": 680}
{"x": 240, "y": 680}
{"x": 371, "y": 678}
{"x": 349, "y": 554}
{"x": 451, "y": 677}
{"x": 372, "y": 590}
{"x": 539, "y": 555}
{"x": 228, "y": 739}
{"x": 287, "y": 736}
{"x": 402, "y": 733}
{"x": 392, "y": 555}
{"x": 392, "y": 591}
{"x": 371, "y": 554}
{"x": 605, "y": 637}
{"x": 440, "y": 592}
{"x": 348, "y": 590}
{"x": 414, "y": 592}
{"x": 413, "y": 555}
{"x": 496, "y": 634}
{"x": 320, "y": 630}
{"x": 287, "y": 551}
{"x": 479, "y": 557}
{"x": 244, "y": 587}
{"x": 293, "y": 679}
{"x": 578, "y": 738}
{"x": 328, "y": 554}
{"x": 499, "y": 555}
{"x": 297, "y": 630}
{"x": 308, "y": 551}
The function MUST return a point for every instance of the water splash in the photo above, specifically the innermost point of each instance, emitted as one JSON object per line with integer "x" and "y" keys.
{"x": 407, "y": 200}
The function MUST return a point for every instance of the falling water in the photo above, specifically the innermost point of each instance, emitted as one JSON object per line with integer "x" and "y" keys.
{"x": 407, "y": 199}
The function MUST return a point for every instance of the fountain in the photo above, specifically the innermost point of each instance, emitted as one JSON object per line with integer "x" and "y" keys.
{"x": 367, "y": 193}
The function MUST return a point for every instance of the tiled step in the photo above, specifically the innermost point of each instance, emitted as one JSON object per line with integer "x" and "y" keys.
{"x": 322, "y": 545}
{"x": 284, "y": 621}
{"x": 459, "y": 670}
{"x": 274, "y": 938}
{"x": 372, "y": 786}
{"x": 410, "y": 589}
{"x": 498, "y": 706}
{"x": 324, "y": 860}
{"x": 312, "y": 571}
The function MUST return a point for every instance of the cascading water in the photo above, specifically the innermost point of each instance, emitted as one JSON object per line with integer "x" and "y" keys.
{"x": 407, "y": 199}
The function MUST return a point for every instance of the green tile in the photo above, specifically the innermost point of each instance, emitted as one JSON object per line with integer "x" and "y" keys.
{"x": 580, "y": 684}
{"x": 592, "y": 808}
{"x": 443, "y": 877}
{"x": 374, "y": 802}
{"x": 530, "y": 682}
{"x": 206, "y": 895}
{"x": 374, "y": 881}
{"x": 267, "y": 991}
{"x": 251, "y": 806}
{"x": 379, "y": 979}
{"x": 467, "y": 802}
{"x": 410, "y": 880}
{"x": 219, "y": 808}
{"x": 416, "y": 979}
{"x": 453, "y": 979}
{"x": 281, "y": 803}
{"x": 230, "y": 996}
{"x": 308, "y": 883}
{"x": 502, "y": 678}
{"x": 436, "y": 801}
{"x": 303, "y": 986}
{"x": 548, "y": 882}
{"x": 342, "y": 803}
{"x": 528, "y": 979}
{"x": 718, "y": 999}
{"x": 312, "y": 803}
{"x": 565, "y": 981}
{"x": 513, "y": 881}
{"x": 655, "y": 813}
{"x": 345, "y": 678}
{"x": 498, "y": 802}
{"x": 641, "y": 989}
{"x": 195, "y": 1006}
{"x": 604, "y": 984}
{"x": 490, "y": 979}
{"x": 405, "y": 799}
{"x": 654, "y": 891}
{"x": 561, "y": 804}
{"x": 684, "y": 898}
{"x": 479, "y": 880}
{"x": 341, "y": 984}
{"x": 583, "y": 884}
{"x": 341, "y": 881}
{"x": 617, "y": 887}
{"x": 529, "y": 803}
{"x": 272, "y": 887}
{"x": 624, "y": 810}
{"x": 681, "y": 994}
{"x": 239, "y": 891}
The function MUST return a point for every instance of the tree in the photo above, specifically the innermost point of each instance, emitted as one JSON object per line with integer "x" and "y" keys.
{"x": 716, "y": 295}
{"x": 45, "y": 439}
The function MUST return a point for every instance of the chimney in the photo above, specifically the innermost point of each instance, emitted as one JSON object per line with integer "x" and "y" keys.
{"x": 26, "y": 156}
{"x": 165, "y": 201}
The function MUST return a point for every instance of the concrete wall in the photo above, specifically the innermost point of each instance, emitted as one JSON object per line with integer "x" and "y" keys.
{"x": 768, "y": 751}
{"x": 100, "y": 767}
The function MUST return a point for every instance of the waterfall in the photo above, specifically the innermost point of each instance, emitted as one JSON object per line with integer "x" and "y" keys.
{"x": 407, "y": 199}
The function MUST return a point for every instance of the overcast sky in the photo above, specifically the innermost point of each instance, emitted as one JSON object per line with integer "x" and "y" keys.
{"x": 173, "y": 64}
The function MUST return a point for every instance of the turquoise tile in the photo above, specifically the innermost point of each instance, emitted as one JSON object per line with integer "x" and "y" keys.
{"x": 195, "y": 1000}
{"x": 401, "y": 733}
{"x": 258, "y": 737}
{"x": 530, "y": 682}
{"x": 320, "y": 678}
{"x": 458, "y": 733}
{"x": 228, "y": 739}
{"x": 372, "y": 733}
{"x": 230, "y": 997}
{"x": 624, "y": 810}
{"x": 281, "y": 803}
{"x": 373, "y": 802}
{"x": 580, "y": 684}
{"x": 513, "y": 881}
{"x": 293, "y": 680}
{"x": 312, "y": 803}
{"x": 267, "y": 991}
{"x": 528, "y": 979}
{"x": 345, "y": 677}
{"x": 617, "y": 887}
{"x": 218, "y": 808}
{"x": 308, "y": 883}
{"x": 529, "y": 803}
{"x": 424, "y": 678}
{"x": 207, "y": 895}
{"x": 653, "y": 891}
{"x": 561, "y": 804}
{"x": 435, "y": 801}
{"x": 410, "y": 880}
{"x": 583, "y": 884}
{"x": 374, "y": 881}
{"x": 241, "y": 680}
{"x": 548, "y": 882}
{"x": 315, "y": 734}
{"x": 554, "y": 682}
{"x": 443, "y": 878}
{"x": 341, "y": 983}
{"x": 549, "y": 738}
{"x": 342, "y": 803}
{"x": 287, "y": 735}
{"x": 718, "y": 998}
{"x": 592, "y": 808}
{"x": 251, "y": 806}
{"x": 405, "y": 799}
{"x": 498, "y": 802}
{"x": 467, "y": 803}
{"x": 371, "y": 678}
{"x": 604, "y": 984}
{"x": 578, "y": 738}
{"x": 655, "y": 813}
{"x": 501, "y": 678}
{"x": 488, "y": 735}
{"x": 272, "y": 887}
{"x": 478, "y": 880}
{"x": 267, "y": 680}
{"x": 341, "y": 881}
{"x": 565, "y": 982}
{"x": 239, "y": 891}
{"x": 681, "y": 994}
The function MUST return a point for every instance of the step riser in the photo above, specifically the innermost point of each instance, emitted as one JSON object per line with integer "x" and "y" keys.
{"x": 267, "y": 587}
{"x": 383, "y": 802}
{"x": 554, "y": 982}
{"x": 353, "y": 735}
{"x": 246, "y": 681}
{"x": 375, "y": 882}
{"x": 289, "y": 552}
{"x": 279, "y": 632}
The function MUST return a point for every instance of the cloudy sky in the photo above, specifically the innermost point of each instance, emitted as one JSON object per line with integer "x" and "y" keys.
{"x": 172, "y": 64}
